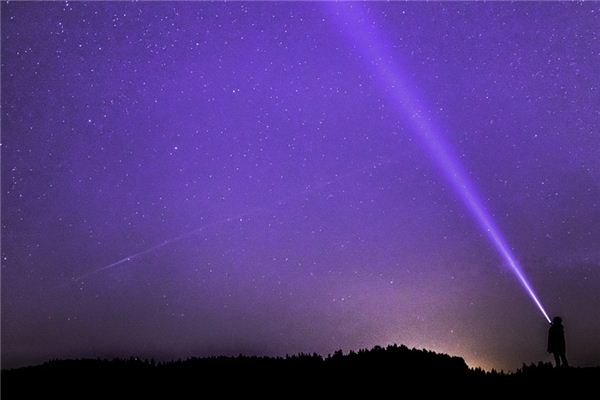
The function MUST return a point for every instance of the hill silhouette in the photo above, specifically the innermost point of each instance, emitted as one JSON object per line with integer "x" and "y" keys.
{"x": 395, "y": 368}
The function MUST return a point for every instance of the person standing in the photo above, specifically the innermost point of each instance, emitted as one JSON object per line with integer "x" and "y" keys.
{"x": 556, "y": 342}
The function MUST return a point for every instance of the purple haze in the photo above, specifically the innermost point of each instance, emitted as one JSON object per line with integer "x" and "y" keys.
{"x": 188, "y": 178}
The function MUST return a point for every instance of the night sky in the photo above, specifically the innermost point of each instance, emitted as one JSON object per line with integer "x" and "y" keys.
{"x": 192, "y": 179}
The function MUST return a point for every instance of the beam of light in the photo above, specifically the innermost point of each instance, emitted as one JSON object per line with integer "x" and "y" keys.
{"x": 353, "y": 20}
{"x": 252, "y": 211}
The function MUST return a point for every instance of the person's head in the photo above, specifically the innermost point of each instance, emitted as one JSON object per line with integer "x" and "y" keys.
{"x": 557, "y": 320}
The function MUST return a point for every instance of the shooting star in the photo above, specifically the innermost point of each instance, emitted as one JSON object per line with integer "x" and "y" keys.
{"x": 253, "y": 211}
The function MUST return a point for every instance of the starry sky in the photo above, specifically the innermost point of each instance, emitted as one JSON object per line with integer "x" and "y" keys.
{"x": 191, "y": 179}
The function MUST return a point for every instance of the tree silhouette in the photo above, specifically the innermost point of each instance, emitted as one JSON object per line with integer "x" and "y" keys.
{"x": 395, "y": 368}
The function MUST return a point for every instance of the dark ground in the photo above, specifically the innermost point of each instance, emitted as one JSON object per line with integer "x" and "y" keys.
{"x": 395, "y": 371}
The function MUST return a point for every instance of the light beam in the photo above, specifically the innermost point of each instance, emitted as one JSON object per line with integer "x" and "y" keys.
{"x": 363, "y": 34}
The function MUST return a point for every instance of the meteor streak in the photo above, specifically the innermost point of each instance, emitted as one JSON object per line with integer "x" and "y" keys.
{"x": 363, "y": 33}
{"x": 253, "y": 211}
{"x": 155, "y": 247}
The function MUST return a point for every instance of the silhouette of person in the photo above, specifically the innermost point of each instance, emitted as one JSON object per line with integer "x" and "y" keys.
{"x": 556, "y": 342}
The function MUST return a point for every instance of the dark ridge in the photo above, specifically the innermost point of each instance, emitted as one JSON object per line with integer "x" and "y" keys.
{"x": 396, "y": 368}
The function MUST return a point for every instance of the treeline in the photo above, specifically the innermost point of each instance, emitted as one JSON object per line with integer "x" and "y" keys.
{"x": 395, "y": 369}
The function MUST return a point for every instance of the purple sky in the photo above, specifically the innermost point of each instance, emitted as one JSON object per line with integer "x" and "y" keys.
{"x": 270, "y": 197}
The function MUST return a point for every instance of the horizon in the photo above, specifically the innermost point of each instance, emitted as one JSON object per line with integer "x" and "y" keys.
{"x": 234, "y": 355}
{"x": 281, "y": 178}
{"x": 274, "y": 356}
